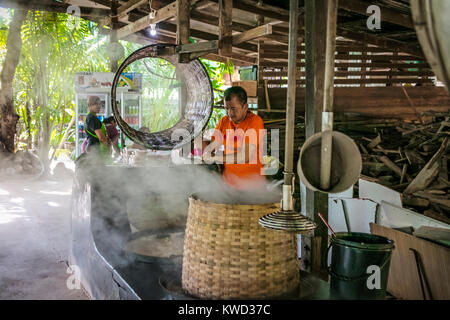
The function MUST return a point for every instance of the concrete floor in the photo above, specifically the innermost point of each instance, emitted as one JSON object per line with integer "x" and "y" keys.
{"x": 34, "y": 239}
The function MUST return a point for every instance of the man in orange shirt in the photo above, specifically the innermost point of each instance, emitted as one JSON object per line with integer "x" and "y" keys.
{"x": 239, "y": 135}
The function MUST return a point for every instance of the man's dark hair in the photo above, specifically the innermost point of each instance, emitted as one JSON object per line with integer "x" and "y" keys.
{"x": 109, "y": 120}
{"x": 237, "y": 92}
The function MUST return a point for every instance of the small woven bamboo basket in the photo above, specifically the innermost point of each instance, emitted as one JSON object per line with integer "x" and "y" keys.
{"x": 228, "y": 255}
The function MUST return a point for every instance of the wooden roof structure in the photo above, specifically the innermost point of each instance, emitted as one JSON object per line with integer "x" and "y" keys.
{"x": 255, "y": 32}
{"x": 251, "y": 21}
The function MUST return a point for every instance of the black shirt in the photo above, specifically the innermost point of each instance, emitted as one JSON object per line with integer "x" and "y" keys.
{"x": 92, "y": 124}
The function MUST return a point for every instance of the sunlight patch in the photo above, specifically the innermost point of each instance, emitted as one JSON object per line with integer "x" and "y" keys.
{"x": 59, "y": 193}
{"x": 53, "y": 204}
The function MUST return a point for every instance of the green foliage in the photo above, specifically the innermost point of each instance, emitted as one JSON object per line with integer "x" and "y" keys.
{"x": 160, "y": 93}
{"x": 216, "y": 70}
{"x": 52, "y": 52}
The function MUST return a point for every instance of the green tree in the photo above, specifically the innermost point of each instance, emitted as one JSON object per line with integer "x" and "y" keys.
{"x": 52, "y": 52}
{"x": 8, "y": 116}
{"x": 43, "y": 86}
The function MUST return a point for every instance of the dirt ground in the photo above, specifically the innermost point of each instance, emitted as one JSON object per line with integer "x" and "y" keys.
{"x": 34, "y": 239}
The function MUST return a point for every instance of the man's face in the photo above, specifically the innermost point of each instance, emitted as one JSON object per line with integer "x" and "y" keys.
{"x": 235, "y": 110}
{"x": 95, "y": 107}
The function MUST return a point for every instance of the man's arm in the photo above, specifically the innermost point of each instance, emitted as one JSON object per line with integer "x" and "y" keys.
{"x": 103, "y": 139}
{"x": 246, "y": 154}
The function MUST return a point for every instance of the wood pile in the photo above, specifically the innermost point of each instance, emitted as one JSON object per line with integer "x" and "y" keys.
{"x": 409, "y": 157}
{"x": 413, "y": 159}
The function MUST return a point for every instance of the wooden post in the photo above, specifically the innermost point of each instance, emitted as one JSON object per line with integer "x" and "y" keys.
{"x": 327, "y": 117}
{"x": 225, "y": 31}
{"x": 364, "y": 69}
{"x": 113, "y": 61}
{"x": 262, "y": 100}
{"x": 393, "y": 70}
{"x": 315, "y": 26}
{"x": 316, "y": 259}
{"x": 290, "y": 103}
{"x": 183, "y": 27}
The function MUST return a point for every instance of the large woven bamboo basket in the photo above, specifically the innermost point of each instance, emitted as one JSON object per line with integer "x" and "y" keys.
{"x": 228, "y": 255}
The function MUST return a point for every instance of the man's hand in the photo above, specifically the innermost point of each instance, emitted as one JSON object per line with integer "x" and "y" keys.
{"x": 102, "y": 138}
{"x": 246, "y": 154}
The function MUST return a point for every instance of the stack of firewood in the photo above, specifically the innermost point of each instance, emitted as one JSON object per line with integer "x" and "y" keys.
{"x": 409, "y": 157}
{"x": 412, "y": 159}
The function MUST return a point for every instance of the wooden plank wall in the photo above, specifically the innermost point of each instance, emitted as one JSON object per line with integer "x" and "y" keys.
{"x": 357, "y": 65}
{"x": 404, "y": 280}
{"x": 389, "y": 102}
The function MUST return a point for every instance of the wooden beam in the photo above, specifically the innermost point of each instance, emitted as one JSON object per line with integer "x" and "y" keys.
{"x": 113, "y": 61}
{"x": 225, "y": 27}
{"x": 183, "y": 23}
{"x": 237, "y": 59}
{"x": 202, "y": 35}
{"x": 361, "y": 81}
{"x": 283, "y": 15}
{"x": 129, "y": 6}
{"x": 162, "y": 14}
{"x": 236, "y": 26}
{"x": 389, "y": 44}
{"x": 263, "y": 93}
{"x": 214, "y": 21}
{"x": 252, "y": 34}
{"x": 198, "y": 47}
{"x": 141, "y": 38}
{"x": 265, "y": 10}
{"x": 385, "y": 57}
{"x": 375, "y": 101}
{"x": 387, "y": 14}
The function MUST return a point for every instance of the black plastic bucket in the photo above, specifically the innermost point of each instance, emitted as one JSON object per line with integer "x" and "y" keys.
{"x": 359, "y": 265}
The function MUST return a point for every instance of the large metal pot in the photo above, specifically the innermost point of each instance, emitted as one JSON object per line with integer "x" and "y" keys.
{"x": 151, "y": 247}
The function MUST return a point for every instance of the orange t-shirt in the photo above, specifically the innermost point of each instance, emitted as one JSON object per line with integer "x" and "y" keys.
{"x": 243, "y": 175}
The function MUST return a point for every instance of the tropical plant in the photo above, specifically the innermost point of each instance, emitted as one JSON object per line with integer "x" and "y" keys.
{"x": 53, "y": 51}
